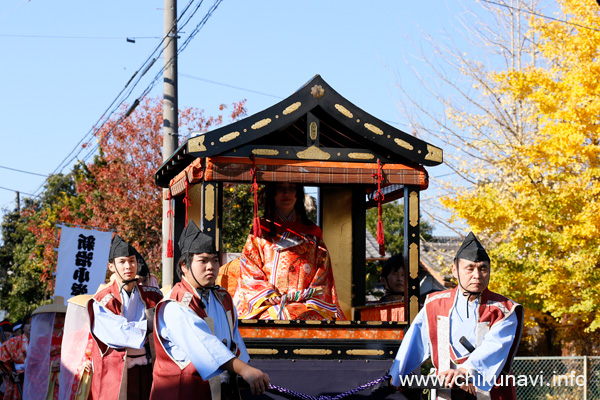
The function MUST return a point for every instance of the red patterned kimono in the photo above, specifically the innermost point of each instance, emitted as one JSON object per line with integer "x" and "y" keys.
{"x": 80, "y": 387}
{"x": 295, "y": 265}
{"x": 13, "y": 350}
{"x": 57, "y": 335}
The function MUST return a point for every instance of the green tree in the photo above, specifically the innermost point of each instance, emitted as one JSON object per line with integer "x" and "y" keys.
{"x": 238, "y": 211}
{"x": 393, "y": 226}
{"x": 14, "y": 233}
{"x": 393, "y": 229}
{"x": 115, "y": 191}
{"x": 27, "y": 283}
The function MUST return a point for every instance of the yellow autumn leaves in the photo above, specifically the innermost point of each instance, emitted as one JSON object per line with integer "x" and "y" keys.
{"x": 536, "y": 200}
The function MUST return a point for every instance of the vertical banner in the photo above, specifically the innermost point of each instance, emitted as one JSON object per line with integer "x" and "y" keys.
{"x": 82, "y": 261}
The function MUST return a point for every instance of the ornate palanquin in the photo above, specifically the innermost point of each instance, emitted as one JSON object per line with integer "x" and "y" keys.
{"x": 314, "y": 137}
{"x": 238, "y": 169}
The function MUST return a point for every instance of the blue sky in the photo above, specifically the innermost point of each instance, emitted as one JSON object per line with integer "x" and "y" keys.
{"x": 65, "y": 61}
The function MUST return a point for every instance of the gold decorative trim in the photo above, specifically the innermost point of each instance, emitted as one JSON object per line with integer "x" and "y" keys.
{"x": 364, "y": 352}
{"x": 291, "y": 108}
{"x": 373, "y": 129}
{"x": 106, "y": 299}
{"x": 265, "y": 152}
{"x": 413, "y": 249}
{"x": 403, "y": 144}
{"x": 209, "y": 202}
{"x": 434, "y": 154}
{"x": 374, "y": 323}
{"x": 282, "y": 321}
{"x": 261, "y": 124}
{"x": 263, "y": 351}
{"x": 343, "y": 322}
{"x": 314, "y": 153}
{"x": 196, "y": 144}
{"x": 248, "y": 321}
{"x": 317, "y": 91}
{"x": 228, "y": 137}
{"x": 310, "y": 322}
{"x": 413, "y": 199}
{"x": 344, "y": 111}
{"x": 312, "y": 132}
{"x": 361, "y": 156}
{"x": 414, "y": 307}
{"x": 313, "y": 352}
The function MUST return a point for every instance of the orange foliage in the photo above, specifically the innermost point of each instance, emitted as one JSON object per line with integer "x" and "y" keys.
{"x": 116, "y": 191}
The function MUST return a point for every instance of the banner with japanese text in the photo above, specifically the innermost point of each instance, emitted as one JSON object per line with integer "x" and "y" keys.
{"x": 82, "y": 261}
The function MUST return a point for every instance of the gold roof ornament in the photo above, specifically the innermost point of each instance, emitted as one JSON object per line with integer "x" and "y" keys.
{"x": 315, "y": 123}
{"x": 317, "y": 91}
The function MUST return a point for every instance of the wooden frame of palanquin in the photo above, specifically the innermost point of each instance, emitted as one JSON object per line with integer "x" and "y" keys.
{"x": 314, "y": 137}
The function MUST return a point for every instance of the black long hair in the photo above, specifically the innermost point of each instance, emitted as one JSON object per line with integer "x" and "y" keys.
{"x": 270, "y": 209}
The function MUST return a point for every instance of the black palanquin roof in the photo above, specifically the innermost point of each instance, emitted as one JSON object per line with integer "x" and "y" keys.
{"x": 314, "y": 123}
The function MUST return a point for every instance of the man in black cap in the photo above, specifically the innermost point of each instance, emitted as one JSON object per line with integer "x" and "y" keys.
{"x": 145, "y": 278}
{"x": 470, "y": 333}
{"x": 199, "y": 349}
{"x": 121, "y": 317}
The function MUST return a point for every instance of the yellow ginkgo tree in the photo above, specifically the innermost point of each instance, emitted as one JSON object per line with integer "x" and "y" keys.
{"x": 535, "y": 198}
{"x": 514, "y": 99}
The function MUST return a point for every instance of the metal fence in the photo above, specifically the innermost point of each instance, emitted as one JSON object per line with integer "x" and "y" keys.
{"x": 557, "y": 378}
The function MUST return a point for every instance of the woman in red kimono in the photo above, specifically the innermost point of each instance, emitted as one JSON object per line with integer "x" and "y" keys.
{"x": 43, "y": 359}
{"x": 13, "y": 353}
{"x": 55, "y": 348}
{"x": 285, "y": 271}
{"x": 76, "y": 358}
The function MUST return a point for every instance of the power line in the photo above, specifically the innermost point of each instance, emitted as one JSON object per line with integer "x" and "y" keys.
{"x": 542, "y": 15}
{"x": 266, "y": 94}
{"x": 25, "y": 172}
{"x": 152, "y": 83}
{"x": 13, "y": 190}
{"x": 200, "y": 25}
{"x": 448, "y": 174}
{"x": 14, "y": 8}
{"x": 119, "y": 99}
{"x": 159, "y": 74}
{"x": 80, "y": 37}
{"x": 229, "y": 86}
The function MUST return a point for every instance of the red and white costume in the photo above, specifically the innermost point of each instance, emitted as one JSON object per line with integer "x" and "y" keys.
{"x": 109, "y": 359}
{"x": 495, "y": 334}
{"x": 192, "y": 340}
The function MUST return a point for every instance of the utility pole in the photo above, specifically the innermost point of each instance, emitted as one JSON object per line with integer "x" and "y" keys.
{"x": 18, "y": 202}
{"x": 170, "y": 122}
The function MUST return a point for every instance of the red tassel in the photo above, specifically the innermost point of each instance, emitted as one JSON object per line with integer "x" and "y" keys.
{"x": 380, "y": 235}
{"x": 170, "y": 248}
{"x": 170, "y": 240}
{"x": 379, "y": 197}
{"x": 186, "y": 201}
{"x": 256, "y": 229}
